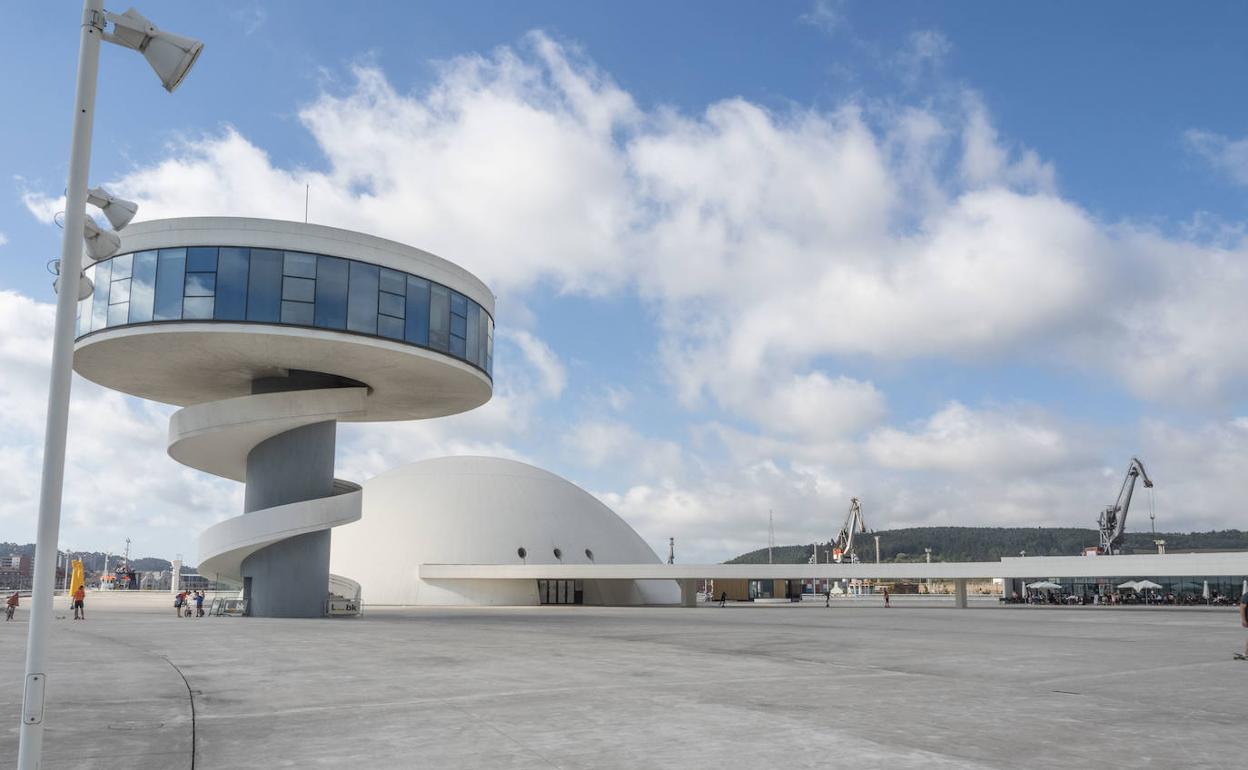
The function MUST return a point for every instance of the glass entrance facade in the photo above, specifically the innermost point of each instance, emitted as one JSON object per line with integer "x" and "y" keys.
{"x": 288, "y": 288}
{"x": 560, "y": 591}
{"x": 1174, "y": 590}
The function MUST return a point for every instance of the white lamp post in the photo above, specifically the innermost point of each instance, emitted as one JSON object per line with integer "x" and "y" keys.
{"x": 171, "y": 56}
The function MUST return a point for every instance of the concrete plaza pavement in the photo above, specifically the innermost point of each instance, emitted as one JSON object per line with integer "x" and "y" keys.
{"x": 790, "y": 686}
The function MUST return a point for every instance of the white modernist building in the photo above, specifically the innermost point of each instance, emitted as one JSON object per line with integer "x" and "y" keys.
{"x": 267, "y": 334}
{"x": 485, "y": 510}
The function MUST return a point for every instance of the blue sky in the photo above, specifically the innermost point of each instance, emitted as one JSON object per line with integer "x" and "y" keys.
{"x": 959, "y": 260}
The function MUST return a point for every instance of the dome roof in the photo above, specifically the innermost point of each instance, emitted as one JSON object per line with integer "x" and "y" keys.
{"x": 476, "y": 510}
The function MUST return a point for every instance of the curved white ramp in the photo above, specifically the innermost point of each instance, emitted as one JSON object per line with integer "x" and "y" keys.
{"x": 217, "y": 437}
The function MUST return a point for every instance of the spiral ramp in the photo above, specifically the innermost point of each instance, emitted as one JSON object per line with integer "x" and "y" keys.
{"x": 281, "y": 444}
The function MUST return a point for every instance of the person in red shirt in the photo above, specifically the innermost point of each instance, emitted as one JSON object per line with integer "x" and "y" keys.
{"x": 80, "y": 596}
{"x": 885, "y": 597}
{"x": 10, "y": 606}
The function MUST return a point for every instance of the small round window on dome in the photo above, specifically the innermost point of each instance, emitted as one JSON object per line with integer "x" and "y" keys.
{"x": 589, "y": 554}
{"x": 558, "y": 554}
{"x": 521, "y": 552}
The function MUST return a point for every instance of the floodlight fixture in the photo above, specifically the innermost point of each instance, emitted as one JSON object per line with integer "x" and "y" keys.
{"x": 118, "y": 210}
{"x": 85, "y": 286}
{"x": 101, "y": 244}
{"x": 169, "y": 55}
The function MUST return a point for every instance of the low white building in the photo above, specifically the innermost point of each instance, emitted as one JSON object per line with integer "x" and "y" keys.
{"x": 485, "y": 510}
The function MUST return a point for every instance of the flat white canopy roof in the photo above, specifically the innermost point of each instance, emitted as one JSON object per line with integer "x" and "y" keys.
{"x": 1146, "y": 565}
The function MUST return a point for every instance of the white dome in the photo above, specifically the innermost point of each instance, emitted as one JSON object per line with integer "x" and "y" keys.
{"x": 482, "y": 510}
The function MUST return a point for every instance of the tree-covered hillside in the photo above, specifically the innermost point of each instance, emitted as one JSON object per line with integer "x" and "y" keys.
{"x": 992, "y": 543}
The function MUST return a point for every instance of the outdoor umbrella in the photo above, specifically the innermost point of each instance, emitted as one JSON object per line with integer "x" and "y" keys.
{"x": 1205, "y": 591}
{"x": 1043, "y": 584}
{"x": 1130, "y": 584}
{"x": 1145, "y": 584}
{"x": 1244, "y": 589}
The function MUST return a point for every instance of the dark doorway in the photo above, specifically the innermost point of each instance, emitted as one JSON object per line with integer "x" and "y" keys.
{"x": 560, "y": 591}
{"x": 247, "y": 596}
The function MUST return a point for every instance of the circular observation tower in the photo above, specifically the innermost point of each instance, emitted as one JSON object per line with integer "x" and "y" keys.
{"x": 267, "y": 334}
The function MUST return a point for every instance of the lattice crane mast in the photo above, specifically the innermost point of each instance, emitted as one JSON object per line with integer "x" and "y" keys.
{"x": 843, "y": 546}
{"x": 1113, "y": 519}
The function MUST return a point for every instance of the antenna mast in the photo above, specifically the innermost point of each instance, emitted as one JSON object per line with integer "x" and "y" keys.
{"x": 771, "y": 534}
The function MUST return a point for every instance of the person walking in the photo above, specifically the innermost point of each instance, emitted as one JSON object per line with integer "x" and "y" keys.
{"x": 885, "y": 597}
{"x": 199, "y": 604}
{"x": 827, "y": 597}
{"x": 10, "y": 606}
{"x": 1243, "y": 621}
{"x": 723, "y": 598}
{"x": 80, "y": 596}
{"x": 178, "y": 601}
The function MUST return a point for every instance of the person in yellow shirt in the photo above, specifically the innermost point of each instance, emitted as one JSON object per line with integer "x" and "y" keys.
{"x": 80, "y": 612}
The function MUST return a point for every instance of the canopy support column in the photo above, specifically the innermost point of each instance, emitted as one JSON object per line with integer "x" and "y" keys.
{"x": 688, "y": 593}
{"x": 959, "y": 593}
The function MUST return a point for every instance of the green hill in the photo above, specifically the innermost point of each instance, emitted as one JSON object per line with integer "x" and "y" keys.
{"x": 992, "y": 543}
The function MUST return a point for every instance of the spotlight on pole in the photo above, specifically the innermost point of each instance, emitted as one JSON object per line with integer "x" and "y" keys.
{"x": 118, "y": 211}
{"x": 169, "y": 55}
{"x": 85, "y": 287}
{"x": 101, "y": 244}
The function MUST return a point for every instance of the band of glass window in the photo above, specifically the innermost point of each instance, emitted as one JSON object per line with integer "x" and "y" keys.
{"x": 226, "y": 283}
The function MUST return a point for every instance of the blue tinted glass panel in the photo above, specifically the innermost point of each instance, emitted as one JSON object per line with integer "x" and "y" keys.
{"x": 264, "y": 286}
{"x": 99, "y": 301}
{"x": 393, "y": 281}
{"x": 142, "y": 287}
{"x": 298, "y": 289}
{"x": 489, "y": 350}
{"x": 170, "y": 275}
{"x": 201, "y": 284}
{"x": 121, "y": 266}
{"x": 459, "y": 304}
{"x": 416, "y": 327}
{"x": 439, "y": 317}
{"x": 197, "y": 307}
{"x": 390, "y": 327}
{"x": 232, "y": 269}
{"x": 473, "y": 341}
{"x": 391, "y": 304}
{"x": 119, "y": 293}
{"x": 459, "y": 326}
{"x": 457, "y": 346}
{"x": 201, "y": 259}
{"x": 297, "y": 313}
{"x": 300, "y": 265}
{"x": 362, "y": 302}
{"x": 331, "y": 293}
{"x": 117, "y": 314}
{"x": 483, "y": 335}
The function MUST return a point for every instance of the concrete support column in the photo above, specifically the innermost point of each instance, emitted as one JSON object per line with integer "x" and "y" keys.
{"x": 959, "y": 593}
{"x": 688, "y": 593}
{"x": 290, "y": 579}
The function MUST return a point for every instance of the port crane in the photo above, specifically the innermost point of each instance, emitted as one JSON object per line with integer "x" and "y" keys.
{"x": 1113, "y": 519}
{"x": 843, "y": 546}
